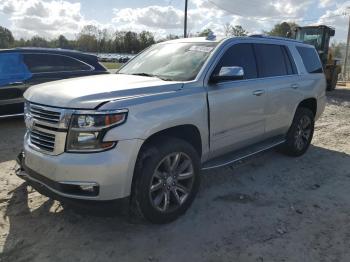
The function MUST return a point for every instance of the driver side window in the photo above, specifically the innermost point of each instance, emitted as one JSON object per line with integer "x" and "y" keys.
{"x": 239, "y": 55}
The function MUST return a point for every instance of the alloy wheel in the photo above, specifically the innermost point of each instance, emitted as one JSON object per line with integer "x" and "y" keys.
{"x": 171, "y": 182}
{"x": 303, "y": 132}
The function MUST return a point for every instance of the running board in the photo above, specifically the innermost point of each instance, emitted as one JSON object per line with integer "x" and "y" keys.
{"x": 235, "y": 156}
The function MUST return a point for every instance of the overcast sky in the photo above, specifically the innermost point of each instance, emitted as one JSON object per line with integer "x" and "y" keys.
{"x": 49, "y": 18}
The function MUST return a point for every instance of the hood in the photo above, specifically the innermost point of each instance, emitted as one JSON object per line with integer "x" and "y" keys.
{"x": 90, "y": 91}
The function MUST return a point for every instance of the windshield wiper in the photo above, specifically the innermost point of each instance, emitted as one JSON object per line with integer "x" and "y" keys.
{"x": 150, "y": 75}
{"x": 144, "y": 74}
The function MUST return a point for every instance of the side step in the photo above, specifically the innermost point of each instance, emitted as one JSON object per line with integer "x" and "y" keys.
{"x": 241, "y": 154}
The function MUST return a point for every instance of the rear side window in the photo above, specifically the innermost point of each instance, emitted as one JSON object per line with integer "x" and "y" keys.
{"x": 44, "y": 63}
{"x": 310, "y": 59}
{"x": 272, "y": 60}
{"x": 291, "y": 67}
{"x": 239, "y": 55}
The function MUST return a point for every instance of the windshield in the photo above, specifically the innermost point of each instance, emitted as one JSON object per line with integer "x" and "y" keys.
{"x": 312, "y": 36}
{"x": 170, "y": 61}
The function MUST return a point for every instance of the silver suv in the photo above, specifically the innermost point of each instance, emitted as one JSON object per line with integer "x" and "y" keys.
{"x": 180, "y": 106}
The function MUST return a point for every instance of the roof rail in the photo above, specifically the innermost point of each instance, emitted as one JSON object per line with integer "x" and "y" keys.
{"x": 275, "y": 38}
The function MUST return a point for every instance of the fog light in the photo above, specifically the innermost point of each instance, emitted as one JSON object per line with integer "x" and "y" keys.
{"x": 87, "y": 188}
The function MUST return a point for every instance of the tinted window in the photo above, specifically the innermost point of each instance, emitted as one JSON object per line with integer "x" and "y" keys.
{"x": 310, "y": 59}
{"x": 43, "y": 63}
{"x": 291, "y": 68}
{"x": 12, "y": 69}
{"x": 271, "y": 60}
{"x": 239, "y": 55}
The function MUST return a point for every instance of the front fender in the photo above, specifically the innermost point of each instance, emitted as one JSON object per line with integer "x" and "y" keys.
{"x": 150, "y": 115}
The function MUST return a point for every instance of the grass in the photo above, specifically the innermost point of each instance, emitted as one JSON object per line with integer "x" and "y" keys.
{"x": 111, "y": 65}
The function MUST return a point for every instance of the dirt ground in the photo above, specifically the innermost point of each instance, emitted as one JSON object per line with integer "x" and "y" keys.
{"x": 269, "y": 208}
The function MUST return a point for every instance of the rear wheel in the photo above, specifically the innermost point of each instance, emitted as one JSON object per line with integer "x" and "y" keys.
{"x": 300, "y": 133}
{"x": 333, "y": 82}
{"x": 167, "y": 180}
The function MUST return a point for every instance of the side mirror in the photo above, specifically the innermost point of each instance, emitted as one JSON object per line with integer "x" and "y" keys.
{"x": 228, "y": 73}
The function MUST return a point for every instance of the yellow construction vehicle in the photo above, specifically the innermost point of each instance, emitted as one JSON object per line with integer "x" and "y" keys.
{"x": 319, "y": 36}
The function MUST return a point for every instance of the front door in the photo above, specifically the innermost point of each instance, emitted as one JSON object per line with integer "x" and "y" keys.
{"x": 14, "y": 75}
{"x": 237, "y": 108}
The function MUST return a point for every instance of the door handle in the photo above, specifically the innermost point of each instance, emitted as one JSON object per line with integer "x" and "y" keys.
{"x": 294, "y": 86}
{"x": 16, "y": 84}
{"x": 258, "y": 92}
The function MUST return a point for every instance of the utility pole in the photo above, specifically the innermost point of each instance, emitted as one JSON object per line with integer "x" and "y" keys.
{"x": 345, "y": 73}
{"x": 185, "y": 20}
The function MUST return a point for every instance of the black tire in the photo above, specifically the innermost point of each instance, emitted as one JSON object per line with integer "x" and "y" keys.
{"x": 296, "y": 132}
{"x": 333, "y": 82}
{"x": 154, "y": 157}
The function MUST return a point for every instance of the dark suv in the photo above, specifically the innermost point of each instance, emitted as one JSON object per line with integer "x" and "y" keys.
{"x": 21, "y": 68}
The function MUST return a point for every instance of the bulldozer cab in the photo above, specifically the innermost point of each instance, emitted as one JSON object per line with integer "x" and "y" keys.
{"x": 318, "y": 36}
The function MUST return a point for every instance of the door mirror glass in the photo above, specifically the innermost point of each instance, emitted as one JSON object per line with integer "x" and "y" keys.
{"x": 228, "y": 73}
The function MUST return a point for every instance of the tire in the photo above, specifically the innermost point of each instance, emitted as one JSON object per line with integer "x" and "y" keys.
{"x": 300, "y": 133}
{"x": 333, "y": 82}
{"x": 166, "y": 180}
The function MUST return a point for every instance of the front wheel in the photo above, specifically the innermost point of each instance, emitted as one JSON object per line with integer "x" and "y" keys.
{"x": 167, "y": 180}
{"x": 300, "y": 133}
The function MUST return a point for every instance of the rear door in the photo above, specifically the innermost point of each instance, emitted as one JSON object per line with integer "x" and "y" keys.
{"x": 237, "y": 108}
{"x": 277, "y": 71}
{"x": 13, "y": 77}
{"x": 50, "y": 67}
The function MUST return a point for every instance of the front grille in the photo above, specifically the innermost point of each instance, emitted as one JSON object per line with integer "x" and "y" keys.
{"x": 45, "y": 115}
{"x": 44, "y": 141}
{"x": 47, "y": 127}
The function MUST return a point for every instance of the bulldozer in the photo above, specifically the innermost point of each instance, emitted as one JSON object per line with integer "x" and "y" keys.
{"x": 319, "y": 36}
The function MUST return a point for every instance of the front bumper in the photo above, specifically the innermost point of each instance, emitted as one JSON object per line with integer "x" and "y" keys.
{"x": 107, "y": 175}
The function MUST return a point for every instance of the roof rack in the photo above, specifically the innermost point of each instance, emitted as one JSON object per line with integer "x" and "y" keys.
{"x": 274, "y": 37}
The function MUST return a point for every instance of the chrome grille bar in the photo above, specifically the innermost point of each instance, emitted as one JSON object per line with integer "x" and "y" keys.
{"x": 44, "y": 115}
{"x": 47, "y": 129}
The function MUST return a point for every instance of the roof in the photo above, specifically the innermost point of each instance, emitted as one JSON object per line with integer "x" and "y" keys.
{"x": 275, "y": 38}
{"x": 194, "y": 40}
{"x": 47, "y": 50}
{"x": 218, "y": 40}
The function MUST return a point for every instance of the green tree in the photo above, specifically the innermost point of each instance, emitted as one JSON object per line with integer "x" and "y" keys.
{"x": 206, "y": 32}
{"x": 131, "y": 42}
{"x": 88, "y": 38}
{"x": 236, "y": 30}
{"x": 37, "y": 41}
{"x": 6, "y": 38}
{"x": 62, "y": 42}
{"x": 337, "y": 49}
{"x": 146, "y": 39}
{"x": 285, "y": 29}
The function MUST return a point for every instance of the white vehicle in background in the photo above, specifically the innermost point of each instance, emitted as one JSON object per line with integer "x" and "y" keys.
{"x": 178, "y": 107}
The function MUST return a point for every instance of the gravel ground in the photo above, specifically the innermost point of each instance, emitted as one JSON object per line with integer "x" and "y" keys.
{"x": 269, "y": 208}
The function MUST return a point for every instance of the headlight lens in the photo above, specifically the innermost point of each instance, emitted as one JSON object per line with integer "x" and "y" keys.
{"x": 86, "y": 131}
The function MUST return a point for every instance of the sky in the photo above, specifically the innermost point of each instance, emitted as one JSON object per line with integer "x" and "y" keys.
{"x": 50, "y": 18}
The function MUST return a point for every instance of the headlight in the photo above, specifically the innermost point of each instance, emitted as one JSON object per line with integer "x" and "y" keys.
{"x": 87, "y": 130}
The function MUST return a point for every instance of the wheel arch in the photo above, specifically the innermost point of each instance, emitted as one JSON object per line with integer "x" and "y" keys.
{"x": 309, "y": 103}
{"x": 188, "y": 132}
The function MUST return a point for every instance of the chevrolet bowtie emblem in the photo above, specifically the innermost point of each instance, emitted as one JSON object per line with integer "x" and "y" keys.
{"x": 29, "y": 121}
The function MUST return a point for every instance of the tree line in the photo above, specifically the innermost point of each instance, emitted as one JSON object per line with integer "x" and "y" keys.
{"x": 89, "y": 39}
{"x": 93, "y": 39}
